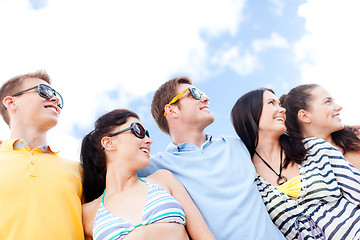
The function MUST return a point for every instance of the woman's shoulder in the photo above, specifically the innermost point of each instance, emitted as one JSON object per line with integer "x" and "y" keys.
{"x": 161, "y": 174}
{"x": 91, "y": 207}
{"x": 311, "y": 143}
{"x": 320, "y": 150}
{"x": 162, "y": 177}
{"x": 89, "y": 211}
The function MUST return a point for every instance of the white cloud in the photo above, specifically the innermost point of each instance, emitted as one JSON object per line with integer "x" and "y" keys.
{"x": 275, "y": 41}
{"x": 90, "y": 46}
{"x": 329, "y": 52}
{"x": 242, "y": 64}
{"x": 277, "y": 6}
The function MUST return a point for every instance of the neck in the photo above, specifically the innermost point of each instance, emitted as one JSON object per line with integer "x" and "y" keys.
{"x": 119, "y": 178}
{"x": 268, "y": 145}
{"x": 196, "y": 138}
{"x": 319, "y": 134}
{"x": 32, "y": 137}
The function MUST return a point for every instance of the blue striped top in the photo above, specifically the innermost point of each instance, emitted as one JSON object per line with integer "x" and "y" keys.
{"x": 160, "y": 206}
{"x": 327, "y": 207}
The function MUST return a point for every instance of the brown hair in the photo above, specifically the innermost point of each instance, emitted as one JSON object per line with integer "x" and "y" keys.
{"x": 14, "y": 84}
{"x": 245, "y": 117}
{"x": 163, "y": 96}
{"x": 300, "y": 98}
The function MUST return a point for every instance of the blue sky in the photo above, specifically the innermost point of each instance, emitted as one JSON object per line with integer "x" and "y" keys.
{"x": 113, "y": 54}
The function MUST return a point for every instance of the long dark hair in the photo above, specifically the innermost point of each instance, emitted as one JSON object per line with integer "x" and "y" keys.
{"x": 93, "y": 157}
{"x": 299, "y": 98}
{"x": 245, "y": 117}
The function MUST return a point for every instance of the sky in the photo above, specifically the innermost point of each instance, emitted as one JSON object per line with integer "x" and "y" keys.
{"x": 107, "y": 54}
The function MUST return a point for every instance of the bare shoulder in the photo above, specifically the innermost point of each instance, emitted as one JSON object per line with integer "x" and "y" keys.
{"x": 163, "y": 178}
{"x": 89, "y": 210}
{"x": 161, "y": 175}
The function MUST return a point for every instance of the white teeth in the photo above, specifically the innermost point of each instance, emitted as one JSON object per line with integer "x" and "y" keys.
{"x": 145, "y": 150}
{"x": 279, "y": 119}
{"x": 52, "y": 108}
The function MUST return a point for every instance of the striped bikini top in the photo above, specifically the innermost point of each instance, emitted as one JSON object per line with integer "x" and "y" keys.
{"x": 160, "y": 207}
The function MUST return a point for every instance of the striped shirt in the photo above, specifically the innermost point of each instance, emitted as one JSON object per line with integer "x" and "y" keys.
{"x": 327, "y": 207}
{"x": 160, "y": 206}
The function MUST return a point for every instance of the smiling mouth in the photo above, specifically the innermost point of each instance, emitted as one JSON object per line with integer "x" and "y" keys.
{"x": 145, "y": 150}
{"x": 205, "y": 108}
{"x": 52, "y": 108}
{"x": 281, "y": 119}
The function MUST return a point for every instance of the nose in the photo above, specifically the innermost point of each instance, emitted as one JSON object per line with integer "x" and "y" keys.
{"x": 55, "y": 99}
{"x": 148, "y": 140}
{"x": 338, "y": 107}
{"x": 282, "y": 109}
{"x": 205, "y": 98}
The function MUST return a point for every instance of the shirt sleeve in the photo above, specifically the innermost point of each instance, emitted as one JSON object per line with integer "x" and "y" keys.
{"x": 347, "y": 176}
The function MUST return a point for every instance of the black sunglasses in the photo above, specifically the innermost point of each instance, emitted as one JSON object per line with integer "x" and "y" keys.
{"x": 136, "y": 128}
{"x": 44, "y": 91}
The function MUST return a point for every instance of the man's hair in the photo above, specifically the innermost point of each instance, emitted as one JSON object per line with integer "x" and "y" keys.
{"x": 163, "y": 96}
{"x": 14, "y": 85}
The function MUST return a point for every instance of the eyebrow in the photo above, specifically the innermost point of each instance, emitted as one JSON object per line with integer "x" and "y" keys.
{"x": 328, "y": 98}
{"x": 272, "y": 100}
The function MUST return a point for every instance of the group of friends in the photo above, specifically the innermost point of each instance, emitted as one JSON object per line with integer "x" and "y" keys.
{"x": 292, "y": 172}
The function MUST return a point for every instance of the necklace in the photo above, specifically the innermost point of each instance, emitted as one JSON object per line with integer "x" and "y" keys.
{"x": 281, "y": 179}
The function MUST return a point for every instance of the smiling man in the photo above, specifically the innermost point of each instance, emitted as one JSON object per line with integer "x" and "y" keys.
{"x": 217, "y": 172}
{"x": 40, "y": 191}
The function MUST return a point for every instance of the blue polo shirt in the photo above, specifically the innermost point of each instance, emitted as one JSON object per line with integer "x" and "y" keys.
{"x": 219, "y": 177}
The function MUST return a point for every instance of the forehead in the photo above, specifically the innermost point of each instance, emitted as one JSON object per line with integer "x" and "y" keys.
{"x": 32, "y": 82}
{"x": 127, "y": 124}
{"x": 182, "y": 87}
{"x": 269, "y": 95}
{"x": 319, "y": 93}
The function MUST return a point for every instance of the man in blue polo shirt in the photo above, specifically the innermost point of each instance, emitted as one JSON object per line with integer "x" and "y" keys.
{"x": 217, "y": 172}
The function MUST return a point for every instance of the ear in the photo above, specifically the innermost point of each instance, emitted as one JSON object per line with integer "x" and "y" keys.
{"x": 107, "y": 144}
{"x": 304, "y": 116}
{"x": 9, "y": 102}
{"x": 171, "y": 110}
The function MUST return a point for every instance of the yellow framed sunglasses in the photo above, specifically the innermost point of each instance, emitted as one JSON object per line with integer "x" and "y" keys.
{"x": 196, "y": 93}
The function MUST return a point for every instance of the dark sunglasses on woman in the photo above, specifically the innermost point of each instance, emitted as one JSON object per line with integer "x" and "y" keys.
{"x": 136, "y": 128}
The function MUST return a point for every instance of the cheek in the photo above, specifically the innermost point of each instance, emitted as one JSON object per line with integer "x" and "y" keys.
{"x": 262, "y": 123}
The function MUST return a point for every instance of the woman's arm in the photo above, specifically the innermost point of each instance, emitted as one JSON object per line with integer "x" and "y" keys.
{"x": 195, "y": 223}
{"x": 88, "y": 216}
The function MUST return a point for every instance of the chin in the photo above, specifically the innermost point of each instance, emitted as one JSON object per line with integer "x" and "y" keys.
{"x": 211, "y": 119}
{"x": 146, "y": 164}
{"x": 53, "y": 122}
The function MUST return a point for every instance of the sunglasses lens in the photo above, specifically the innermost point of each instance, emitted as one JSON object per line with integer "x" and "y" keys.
{"x": 138, "y": 130}
{"x": 45, "y": 91}
{"x": 147, "y": 133}
{"x": 196, "y": 93}
{"x": 61, "y": 102}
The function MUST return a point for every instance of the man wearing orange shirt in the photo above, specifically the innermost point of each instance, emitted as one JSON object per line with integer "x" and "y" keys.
{"x": 40, "y": 191}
